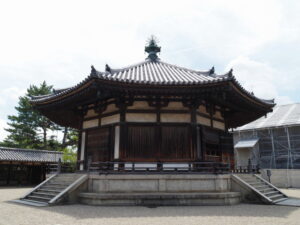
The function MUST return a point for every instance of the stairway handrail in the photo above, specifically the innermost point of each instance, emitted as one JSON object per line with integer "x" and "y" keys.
{"x": 262, "y": 179}
{"x": 251, "y": 187}
{"x": 75, "y": 184}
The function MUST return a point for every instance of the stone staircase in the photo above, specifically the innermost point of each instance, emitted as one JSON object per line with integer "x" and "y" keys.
{"x": 53, "y": 190}
{"x": 267, "y": 192}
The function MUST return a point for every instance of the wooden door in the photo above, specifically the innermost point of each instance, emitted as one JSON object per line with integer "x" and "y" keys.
{"x": 98, "y": 145}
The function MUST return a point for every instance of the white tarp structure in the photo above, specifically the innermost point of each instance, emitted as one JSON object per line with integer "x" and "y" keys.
{"x": 246, "y": 143}
{"x": 279, "y": 138}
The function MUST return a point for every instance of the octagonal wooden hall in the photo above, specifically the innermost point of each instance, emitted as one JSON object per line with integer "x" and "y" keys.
{"x": 153, "y": 112}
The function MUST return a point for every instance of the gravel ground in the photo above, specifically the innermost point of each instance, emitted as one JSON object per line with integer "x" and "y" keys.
{"x": 242, "y": 214}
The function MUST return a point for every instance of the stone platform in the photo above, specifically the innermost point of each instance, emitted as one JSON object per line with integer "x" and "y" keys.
{"x": 159, "y": 189}
{"x": 160, "y": 199}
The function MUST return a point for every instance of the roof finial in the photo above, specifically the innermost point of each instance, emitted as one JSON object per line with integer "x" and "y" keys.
{"x": 107, "y": 68}
{"x": 93, "y": 71}
{"x": 212, "y": 70}
{"x": 152, "y": 48}
{"x": 230, "y": 73}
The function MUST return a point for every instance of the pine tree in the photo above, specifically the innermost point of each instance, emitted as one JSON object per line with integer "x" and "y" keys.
{"x": 30, "y": 129}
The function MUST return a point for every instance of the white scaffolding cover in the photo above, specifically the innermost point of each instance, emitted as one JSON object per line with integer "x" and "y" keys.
{"x": 250, "y": 143}
{"x": 282, "y": 115}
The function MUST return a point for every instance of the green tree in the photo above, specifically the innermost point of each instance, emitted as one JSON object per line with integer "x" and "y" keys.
{"x": 30, "y": 129}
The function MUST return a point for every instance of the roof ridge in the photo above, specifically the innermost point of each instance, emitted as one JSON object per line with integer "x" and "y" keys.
{"x": 147, "y": 61}
{"x": 184, "y": 68}
{"x": 127, "y": 67}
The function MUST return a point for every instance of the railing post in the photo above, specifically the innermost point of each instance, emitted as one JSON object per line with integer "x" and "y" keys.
{"x": 159, "y": 166}
{"x": 249, "y": 166}
{"x": 257, "y": 168}
{"x": 89, "y": 163}
{"x": 59, "y": 166}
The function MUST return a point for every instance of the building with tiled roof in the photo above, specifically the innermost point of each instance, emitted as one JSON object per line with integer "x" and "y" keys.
{"x": 153, "y": 111}
{"x": 25, "y": 166}
{"x": 272, "y": 141}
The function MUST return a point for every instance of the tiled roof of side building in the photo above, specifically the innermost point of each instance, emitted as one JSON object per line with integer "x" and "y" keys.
{"x": 282, "y": 115}
{"x": 29, "y": 155}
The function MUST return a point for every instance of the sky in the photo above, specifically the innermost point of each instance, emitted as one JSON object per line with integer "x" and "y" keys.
{"x": 58, "y": 41}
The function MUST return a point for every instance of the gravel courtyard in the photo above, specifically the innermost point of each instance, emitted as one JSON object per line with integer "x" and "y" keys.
{"x": 14, "y": 214}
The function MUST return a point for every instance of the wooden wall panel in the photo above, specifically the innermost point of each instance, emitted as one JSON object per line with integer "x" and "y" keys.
{"x": 98, "y": 144}
{"x": 141, "y": 143}
{"x": 175, "y": 142}
{"x": 155, "y": 142}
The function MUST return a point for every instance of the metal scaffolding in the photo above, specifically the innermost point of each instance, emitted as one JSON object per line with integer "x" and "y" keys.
{"x": 277, "y": 148}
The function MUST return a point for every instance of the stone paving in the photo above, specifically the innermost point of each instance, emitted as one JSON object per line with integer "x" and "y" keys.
{"x": 14, "y": 214}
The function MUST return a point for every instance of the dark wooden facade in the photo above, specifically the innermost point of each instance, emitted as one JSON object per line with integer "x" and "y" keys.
{"x": 25, "y": 166}
{"x": 154, "y": 139}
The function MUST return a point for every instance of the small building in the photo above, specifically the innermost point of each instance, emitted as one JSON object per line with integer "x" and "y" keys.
{"x": 153, "y": 112}
{"x": 25, "y": 166}
{"x": 272, "y": 141}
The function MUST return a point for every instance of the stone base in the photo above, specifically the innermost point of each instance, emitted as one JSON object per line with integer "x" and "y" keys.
{"x": 160, "y": 199}
{"x": 159, "y": 190}
{"x": 147, "y": 183}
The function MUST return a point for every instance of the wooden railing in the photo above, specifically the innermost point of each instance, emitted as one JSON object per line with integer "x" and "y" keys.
{"x": 61, "y": 167}
{"x": 246, "y": 169}
{"x": 159, "y": 167}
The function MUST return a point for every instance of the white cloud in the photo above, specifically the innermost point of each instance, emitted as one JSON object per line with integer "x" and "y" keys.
{"x": 3, "y": 133}
{"x": 57, "y": 40}
{"x": 260, "y": 78}
{"x": 11, "y": 94}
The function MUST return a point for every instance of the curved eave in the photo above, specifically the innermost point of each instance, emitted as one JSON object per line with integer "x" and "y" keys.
{"x": 250, "y": 97}
{"x": 92, "y": 80}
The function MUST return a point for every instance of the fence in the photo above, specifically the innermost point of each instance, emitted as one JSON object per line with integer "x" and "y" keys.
{"x": 159, "y": 167}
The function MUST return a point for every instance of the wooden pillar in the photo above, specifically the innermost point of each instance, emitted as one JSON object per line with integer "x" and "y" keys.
{"x": 79, "y": 150}
{"x": 8, "y": 173}
{"x": 82, "y": 151}
{"x": 116, "y": 152}
{"x": 122, "y": 134}
{"x": 194, "y": 152}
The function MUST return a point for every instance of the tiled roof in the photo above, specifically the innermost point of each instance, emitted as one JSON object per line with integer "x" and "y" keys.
{"x": 153, "y": 73}
{"x": 148, "y": 72}
{"x": 28, "y": 155}
{"x": 282, "y": 115}
{"x": 158, "y": 72}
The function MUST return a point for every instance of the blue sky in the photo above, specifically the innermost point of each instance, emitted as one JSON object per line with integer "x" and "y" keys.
{"x": 57, "y": 41}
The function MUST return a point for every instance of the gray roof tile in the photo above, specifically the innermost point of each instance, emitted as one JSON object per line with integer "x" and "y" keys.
{"x": 28, "y": 155}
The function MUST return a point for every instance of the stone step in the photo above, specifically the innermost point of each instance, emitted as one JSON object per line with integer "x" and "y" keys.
{"x": 160, "y": 198}
{"x": 271, "y": 192}
{"x": 38, "y": 198}
{"x": 55, "y": 186}
{"x": 261, "y": 186}
{"x": 275, "y": 197}
{"x": 45, "y": 194}
{"x": 249, "y": 180}
{"x": 59, "y": 183}
{"x": 68, "y": 176}
{"x": 63, "y": 180}
{"x": 256, "y": 183}
{"x": 266, "y": 190}
{"x": 30, "y": 202}
{"x": 280, "y": 199}
{"x": 47, "y": 190}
